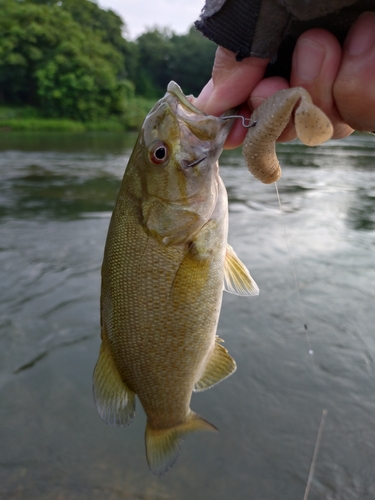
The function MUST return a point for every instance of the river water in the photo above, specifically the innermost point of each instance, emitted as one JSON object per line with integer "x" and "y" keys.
{"x": 314, "y": 264}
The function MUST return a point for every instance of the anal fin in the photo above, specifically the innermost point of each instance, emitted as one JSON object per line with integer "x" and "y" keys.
{"x": 219, "y": 366}
{"x": 115, "y": 402}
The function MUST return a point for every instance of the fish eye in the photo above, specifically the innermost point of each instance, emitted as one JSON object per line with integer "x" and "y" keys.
{"x": 159, "y": 153}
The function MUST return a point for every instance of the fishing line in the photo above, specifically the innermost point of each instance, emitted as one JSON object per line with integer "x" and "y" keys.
{"x": 315, "y": 454}
{"x": 311, "y": 352}
{"x": 300, "y": 302}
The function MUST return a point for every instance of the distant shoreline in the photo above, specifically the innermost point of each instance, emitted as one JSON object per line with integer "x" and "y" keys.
{"x": 28, "y": 119}
{"x": 59, "y": 125}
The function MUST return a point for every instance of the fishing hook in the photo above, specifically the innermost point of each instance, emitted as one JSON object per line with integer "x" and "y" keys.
{"x": 246, "y": 122}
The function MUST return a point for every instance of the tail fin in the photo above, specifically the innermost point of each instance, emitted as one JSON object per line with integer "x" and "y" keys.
{"x": 162, "y": 445}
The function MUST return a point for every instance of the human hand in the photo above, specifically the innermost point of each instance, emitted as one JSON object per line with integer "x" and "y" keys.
{"x": 341, "y": 81}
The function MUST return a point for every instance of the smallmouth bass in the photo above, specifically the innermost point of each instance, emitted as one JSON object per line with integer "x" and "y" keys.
{"x": 166, "y": 262}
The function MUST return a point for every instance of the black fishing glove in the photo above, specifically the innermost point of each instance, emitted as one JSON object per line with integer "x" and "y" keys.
{"x": 270, "y": 28}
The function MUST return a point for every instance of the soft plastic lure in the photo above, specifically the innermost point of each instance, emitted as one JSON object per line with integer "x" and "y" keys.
{"x": 269, "y": 120}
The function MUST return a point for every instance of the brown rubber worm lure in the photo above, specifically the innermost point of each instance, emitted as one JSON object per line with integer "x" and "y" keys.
{"x": 268, "y": 122}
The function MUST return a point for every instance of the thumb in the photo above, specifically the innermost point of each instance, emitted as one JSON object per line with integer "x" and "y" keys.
{"x": 232, "y": 82}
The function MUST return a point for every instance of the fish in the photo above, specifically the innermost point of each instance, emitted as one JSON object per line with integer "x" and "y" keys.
{"x": 166, "y": 263}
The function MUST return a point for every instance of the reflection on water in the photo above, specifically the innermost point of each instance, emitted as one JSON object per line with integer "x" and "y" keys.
{"x": 56, "y": 196}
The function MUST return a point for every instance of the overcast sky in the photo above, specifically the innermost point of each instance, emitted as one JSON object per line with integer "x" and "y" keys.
{"x": 142, "y": 14}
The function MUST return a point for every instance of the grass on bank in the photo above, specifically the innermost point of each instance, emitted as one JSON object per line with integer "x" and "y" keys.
{"x": 29, "y": 119}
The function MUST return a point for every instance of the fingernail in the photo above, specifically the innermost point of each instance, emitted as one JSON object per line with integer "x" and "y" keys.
{"x": 362, "y": 36}
{"x": 256, "y": 101}
{"x": 309, "y": 57}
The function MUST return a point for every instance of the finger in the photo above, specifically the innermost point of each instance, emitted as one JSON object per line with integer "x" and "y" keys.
{"x": 315, "y": 65}
{"x": 264, "y": 89}
{"x": 354, "y": 89}
{"x": 231, "y": 83}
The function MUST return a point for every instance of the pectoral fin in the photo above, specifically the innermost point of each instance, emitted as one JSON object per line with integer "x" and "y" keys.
{"x": 114, "y": 400}
{"x": 219, "y": 366}
{"x": 237, "y": 278}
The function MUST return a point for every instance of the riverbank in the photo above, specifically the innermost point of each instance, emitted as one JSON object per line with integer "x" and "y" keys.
{"x": 28, "y": 118}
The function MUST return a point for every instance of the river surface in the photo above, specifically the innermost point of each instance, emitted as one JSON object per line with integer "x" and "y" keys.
{"x": 314, "y": 264}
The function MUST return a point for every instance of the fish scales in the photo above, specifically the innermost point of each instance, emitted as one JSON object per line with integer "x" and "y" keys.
{"x": 164, "y": 267}
{"x": 158, "y": 268}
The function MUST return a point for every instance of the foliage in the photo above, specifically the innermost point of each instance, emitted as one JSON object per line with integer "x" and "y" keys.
{"x": 135, "y": 111}
{"x": 10, "y": 112}
{"x": 69, "y": 59}
{"x": 29, "y": 119}
{"x": 191, "y": 61}
{"x": 34, "y": 124}
{"x": 152, "y": 72}
{"x": 165, "y": 56}
{"x": 75, "y": 76}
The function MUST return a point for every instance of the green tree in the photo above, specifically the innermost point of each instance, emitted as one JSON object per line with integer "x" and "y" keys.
{"x": 190, "y": 60}
{"x": 104, "y": 23}
{"x": 165, "y": 56}
{"x": 69, "y": 58}
{"x": 154, "y": 48}
{"x": 48, "y": 58}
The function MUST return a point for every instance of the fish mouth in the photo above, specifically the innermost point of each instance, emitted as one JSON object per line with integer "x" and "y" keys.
{"x": 174, "y": 89}
{"x": 204, "y": 127}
